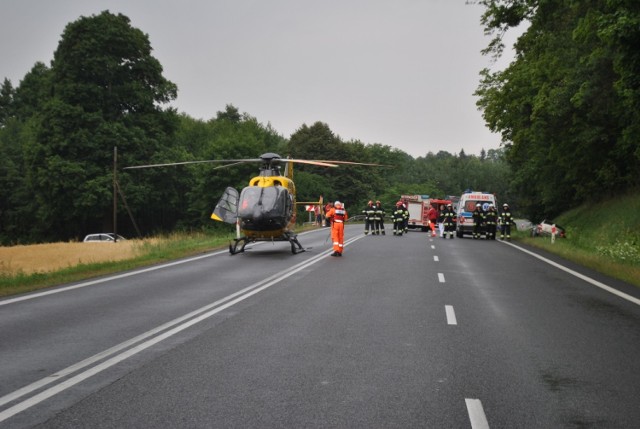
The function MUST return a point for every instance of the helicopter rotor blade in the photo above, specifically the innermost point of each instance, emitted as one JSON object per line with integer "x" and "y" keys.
{"x": 208, "y": 161}
{"x": 229, "y": 165}
{"x": 267, "y": 159}
{"x": 353, "y": 163}
{"x": 308, "y": 161}
{"x": 328, "y": 163}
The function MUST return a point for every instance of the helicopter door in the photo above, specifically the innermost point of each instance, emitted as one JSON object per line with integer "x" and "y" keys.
{"x": 263, "y": 208}
{"x": 227, "y": 208}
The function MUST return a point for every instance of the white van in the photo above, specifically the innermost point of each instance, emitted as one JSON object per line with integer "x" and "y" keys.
{"x": 466, "y": 206}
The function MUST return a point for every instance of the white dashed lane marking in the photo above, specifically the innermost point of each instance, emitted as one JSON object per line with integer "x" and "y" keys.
{"x": 451, "y": 315}
{"x": 476, "y": 414}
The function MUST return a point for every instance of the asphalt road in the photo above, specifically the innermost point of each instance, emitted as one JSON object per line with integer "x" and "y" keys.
{"x": 400, "y": 332}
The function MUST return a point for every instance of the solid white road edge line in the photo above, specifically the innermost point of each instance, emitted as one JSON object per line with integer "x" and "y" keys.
{"x": 580, "y": 276}
{"x": 107, "y": 279}
{"x": 451, "y": 315}
{"x": 9, "y": 412}
{"x": 125, "y": 275}
{"x": 476, "y": 414}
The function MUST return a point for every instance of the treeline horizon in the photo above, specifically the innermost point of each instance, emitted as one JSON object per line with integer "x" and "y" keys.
{"x": 104, "y": 89}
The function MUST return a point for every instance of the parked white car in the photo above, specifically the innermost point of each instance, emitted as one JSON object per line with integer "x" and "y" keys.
{"x": 105, "y": 237}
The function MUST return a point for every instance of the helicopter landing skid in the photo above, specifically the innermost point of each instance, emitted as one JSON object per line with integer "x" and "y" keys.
{"x": 242, "y": 242}
{"x": 239, "y": 244}
{"x": 293, "y": 239}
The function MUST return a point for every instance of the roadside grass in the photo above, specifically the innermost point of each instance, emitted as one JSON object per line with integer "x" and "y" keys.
{"x": 155, "y": 251}
{"x": 621, "y": 270}
{"x": 604, "y": 237}
{"x": 151, "y": 252}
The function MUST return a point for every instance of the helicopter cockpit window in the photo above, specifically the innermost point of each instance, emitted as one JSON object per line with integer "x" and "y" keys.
{"x": 263, "y": 203}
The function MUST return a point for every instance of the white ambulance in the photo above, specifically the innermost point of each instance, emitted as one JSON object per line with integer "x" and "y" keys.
{"x": 466, "y": 206}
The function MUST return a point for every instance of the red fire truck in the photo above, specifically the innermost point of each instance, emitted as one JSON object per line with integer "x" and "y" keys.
{"x": 418, "y": 207}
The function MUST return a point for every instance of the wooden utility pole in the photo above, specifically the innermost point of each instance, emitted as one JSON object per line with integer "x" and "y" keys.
{"x": 115, "y": 194}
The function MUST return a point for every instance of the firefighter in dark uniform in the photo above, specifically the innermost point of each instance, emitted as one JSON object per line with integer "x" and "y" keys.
{"x": 369, "y": 213}
{"x": 478, "y": 219}
{"x": 449, "y": 221}
{"x": 405, "y": 215}
{"x": 378, "y": 220}
{"x": 398, "y": 219}
{"x": 492, "y": 221}
{"x": 441, "y": 221}
{"x": 506, "y": 220}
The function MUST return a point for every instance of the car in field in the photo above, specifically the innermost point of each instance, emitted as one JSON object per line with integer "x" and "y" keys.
{"x": 104, "y": 237}
{"x": 545, "y": 228}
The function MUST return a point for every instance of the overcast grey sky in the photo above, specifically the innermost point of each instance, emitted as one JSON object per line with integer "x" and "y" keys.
{"x": 401, "y": 73}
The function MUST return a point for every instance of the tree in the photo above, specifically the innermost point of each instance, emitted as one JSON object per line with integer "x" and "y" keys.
{"x": 231, "y": 113}
{"x": 21, "y": 107}
{"x": 107, "y": 91}
{"x": 6, "y": 101}
{"x": 16, "y": 207}
{"x": 33, "y": 93}
{"x": 315, "y": 142}
{"x": 351, "y": 184}
{"x": 567, "y": 106}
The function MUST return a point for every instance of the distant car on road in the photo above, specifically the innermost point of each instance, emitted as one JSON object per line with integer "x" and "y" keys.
{"x": 545, "y": 228}
{"x": 105, "y": 237}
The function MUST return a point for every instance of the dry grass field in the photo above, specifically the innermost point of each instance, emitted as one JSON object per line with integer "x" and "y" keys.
{"x": 43, "y": 258}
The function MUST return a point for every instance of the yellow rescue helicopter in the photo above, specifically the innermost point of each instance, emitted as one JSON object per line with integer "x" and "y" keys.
{"x": 265, "y": 210}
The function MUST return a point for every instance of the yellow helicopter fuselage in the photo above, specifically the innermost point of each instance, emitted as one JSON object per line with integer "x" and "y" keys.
{"x": 267, "y": 207}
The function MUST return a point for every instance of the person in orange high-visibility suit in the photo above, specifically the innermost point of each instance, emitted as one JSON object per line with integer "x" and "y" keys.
{"x": 338, "y": 216}
{"x": 432, "y": 215}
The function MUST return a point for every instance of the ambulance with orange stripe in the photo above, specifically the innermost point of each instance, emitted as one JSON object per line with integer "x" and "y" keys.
{"x": 466, "y": 206}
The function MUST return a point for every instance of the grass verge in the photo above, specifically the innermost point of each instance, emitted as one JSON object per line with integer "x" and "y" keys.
{"x": 603, "y": 236}
{"x": 622, "y": 270}
{"x": 161, "y": 249}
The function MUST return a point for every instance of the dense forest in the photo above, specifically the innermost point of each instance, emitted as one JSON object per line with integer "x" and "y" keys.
{"x": 566, "y": 108}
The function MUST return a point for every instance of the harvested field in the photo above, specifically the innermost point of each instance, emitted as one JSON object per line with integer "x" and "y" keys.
{"x": 54, "y": 256}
